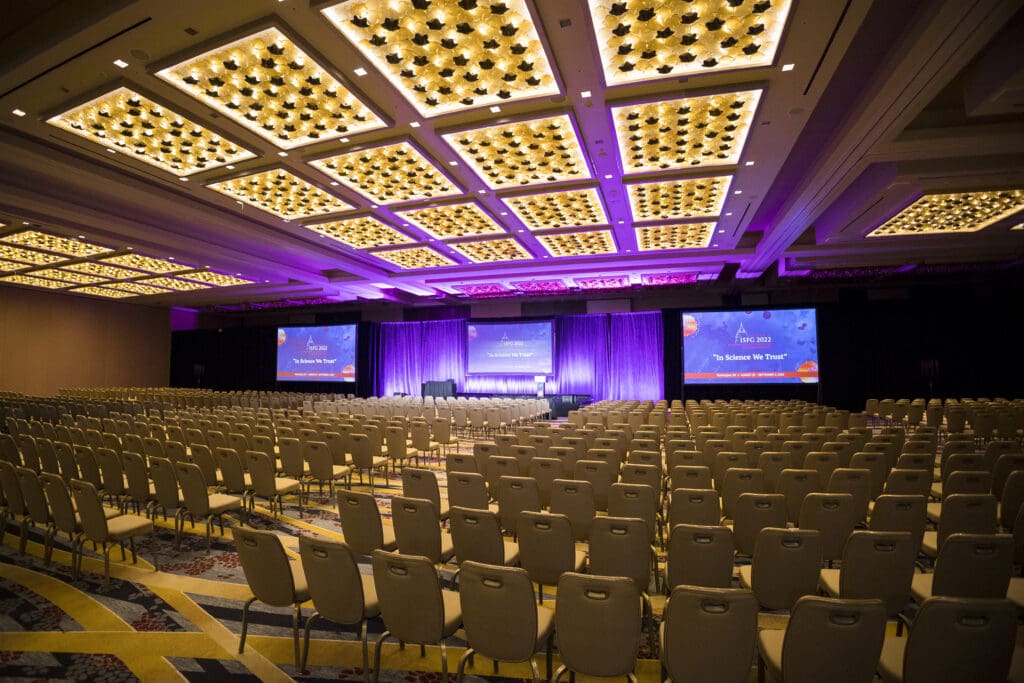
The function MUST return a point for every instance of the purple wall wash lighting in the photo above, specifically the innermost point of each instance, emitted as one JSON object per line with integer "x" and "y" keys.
{"x": 661, "y": 279}
{"x": 540, "y": 286}
{"x": 613, "y": 282}
{"x": 616, "y": 356}
{"x": 486, "y": 290}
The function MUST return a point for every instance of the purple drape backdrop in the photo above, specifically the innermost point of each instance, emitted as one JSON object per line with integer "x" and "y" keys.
{"x": 616, "y": 356}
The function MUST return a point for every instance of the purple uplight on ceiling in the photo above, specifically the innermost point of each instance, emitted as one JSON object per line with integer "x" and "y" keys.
{"x": 484, "y": 290}
{"x": 540, "y": 286}
{"x": 611, "y": 282}
{"x": 661, "y": 279}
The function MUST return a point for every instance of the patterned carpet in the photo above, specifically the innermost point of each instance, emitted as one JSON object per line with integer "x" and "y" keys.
{"x": 183, "y": 622}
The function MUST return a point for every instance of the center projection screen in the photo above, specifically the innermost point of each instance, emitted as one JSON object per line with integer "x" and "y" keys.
{"x": 316, "y": 354}
{"x": 512, "y": 348}
{"x": 750, "y": 347}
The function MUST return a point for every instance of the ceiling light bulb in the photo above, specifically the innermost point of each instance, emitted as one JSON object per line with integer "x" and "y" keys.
{"x": 414, "y": 124}
{"x": 585, "y": 94}
{"x": 495, "y": 109}
{"x": 120, "y": 63}
{"x": 749, "y": 163}
{"x": 359, "y": 71}
{"x": 788, "y": 67}
{"x": 282, "y": 154}
{"x": 17, "y": 112}
{"x": 738, "y": 192}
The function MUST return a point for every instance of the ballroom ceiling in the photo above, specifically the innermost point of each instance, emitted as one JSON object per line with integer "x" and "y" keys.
{"x": 205, "y": 154}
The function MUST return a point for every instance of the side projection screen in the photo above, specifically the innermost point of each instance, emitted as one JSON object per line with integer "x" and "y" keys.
{"x": 750, "y": 347}
{"x": 316, "y": 354}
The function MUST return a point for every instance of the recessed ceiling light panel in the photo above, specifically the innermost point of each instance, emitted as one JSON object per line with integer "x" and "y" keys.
{"x": 579, "y": 243}
{"x": 31, "y": 281}
{"x": 641, "y": 40}
{"x": 102, "y": 270}
{"x": 174, "y": 283}
{"x": 691, "y": 198}
{"x": 389, "y": 174}
{"x": 146, "y": 263}
{"x": 137, "y": 288}
{"x": 281, "y": 193}
{"x": 955, "y": 212}
{"x": 559, "y": 209}
{"x": 686, "y": 236}
{"x": 543, "y": 150}
{"x": 54, "y": 243}
{"x": 269, "y": 85}
{"x": 450, "y": 56}
{"x": 215, "y": 279}
{"x": 361, "y": 233}
{"x": 683, "y": 133}
{"x": 125, "y": 121}
{"x": 102, "y": 291}
{"x": 415, "y": 258}
{"x": 27, "y": 256}
{"x": 69, "y": 276}
{"x": 452, "y": 221}
{"x": 489, "y": 251}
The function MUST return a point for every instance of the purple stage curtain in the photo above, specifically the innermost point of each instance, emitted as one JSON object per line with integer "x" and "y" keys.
{"x": 415, "y": 352}
{"x": 617, "y": 356}
{"x": 636, "y": 365}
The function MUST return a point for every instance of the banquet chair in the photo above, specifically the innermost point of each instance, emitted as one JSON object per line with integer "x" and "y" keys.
{"x": 422, "y": 483}
{"x": 413, "y": 606}
{"x": 785, "y": 567}
{"x": 468, "y": 490}
{"x": 968, "y": 566}
{"x": 598, "y": 622}
{"x": 96, "y": 527}
{"x": 339, "y": 591}
{"x": 833, "y": 515}
{"x": 708, "y": 634}
{"x": 547, "y": 549}
{"x": 198, "y": 502}
{"x": 266, "y": 484}
{"x": 274, "y": 578}
{"x": 418, "y": 529}
{"x": 825, "y": 639}
{"x": 361, "y": 523}
{"x": 500, "y": 618}
{"x": 516, "y": 495}
{"x": 574, "y": 499}
{"x": 476, "y": 536}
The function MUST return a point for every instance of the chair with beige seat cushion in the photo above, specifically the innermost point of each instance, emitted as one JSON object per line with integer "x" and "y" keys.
{"x": 876, "y": 564}
{"x": 708, "y": 634}
{"x": 953, "y": 640}
{"x": 855, "y": 481}
{"x": 476, "y": 536}
{"x": 600, "y": 474}
{"x": 340, "y": 592}
{"x": 737, "y": 481}
{"x": 826, "y": 639}
{"x": 834, "y": 516}
{"x": 274, "y": 578}
{"x": 700, "y": 556}
{"x": 96, "y": 527}
{"x": 772, "y": 463}
{"x": 785, "y": 567}
{"x": 500, "y": 618}
{"x": 413, "y": 606}
{"x": 266, "y": 484}
{"x": 322, "y": 468}
{"x": 365, "y": 459}
{"x": 361, "y": 523}
{"x": 969, "y": 513}
{"x": 547, "y": 548}
{"x": 36, "y": 508}
{"x": 598, "y": 622}
{"x": 198, "y": 502}
{"x": 418, "y": 529}
{"x": 968, "y": 566}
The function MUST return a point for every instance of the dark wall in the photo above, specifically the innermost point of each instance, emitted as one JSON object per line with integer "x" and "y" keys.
{"x": 930, "y": 342}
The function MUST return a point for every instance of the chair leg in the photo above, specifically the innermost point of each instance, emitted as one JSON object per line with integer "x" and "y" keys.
{"x": 460, "y": 671}
{"x": 558, "y": 674}
{"x": 533, "y": 668}
{"x": 366, "y": 654}
{"x": 296, "y": 618}
{"x": 305, "y": 643}
{"x": 376, "y": 654}
{"x": 444, "y": 663}
{"x": 245, "y": 623}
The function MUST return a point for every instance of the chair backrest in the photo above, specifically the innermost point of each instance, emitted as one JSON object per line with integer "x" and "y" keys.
{"x": 786, "y": 566}
{"x": 161, "y": 472}
{"x": 914, "y": 482}
{"x": 574, "y": 499}
{"x": 1010, "y": 502}
{"x": 709, "y": 634}
{"x": 598, "y": 622}
{"x": 421, "y": 483}
{"x": 546, "y": 546}
{"x": 755, "y": 512}
{"x": 700, "y": 556}
{"x": 901, "y": 513}
{"x": 66, "y": 460}
{"x": 544, "y": 471}
{"x": 822, "y": 461}
{"x": 833, "y": 639}
{"x": 498, "y": 466}
{"x": 409, "y": 596}
{"x": 498, "y": 613}
{"x": 332, "y": 574}
{"x": 476, "y": 535}
{"x": 974, "y": 566}
{"x": 90, "y": 510}
{"x": 292, "y": 462}
{"x": 58, "y": 497}
{"x": 33, "y": 495}
{"x": 690, "y": 477}
{"x": 360, "y": 521}
{"x": 772, "y": 463}
{"x": 193, "y": 488}
{"x": 878, "y": 564}
{"x": 967, "y": 481}
{"x": 739, "y": 480}
{"x": 232, "y": 471}
{"x": 621, "y": 546}
{"x": 1005, "y": 465}
{"x": 969, "y": 513}
{"x": 635, "y": 500}
{"x": 261, "y": 470}
{"x": 417, "y": 527}
{"x": 855, "y": 481}
{"x": 961, "y": 640}
{"x": 265, "y": 565}
{"x": 467, "y": 490}
{"x": 795, "y": 485}
{"x": 600, "y": 474}
{"x": 834, "y": 516}
{"x": 515, "y": 495}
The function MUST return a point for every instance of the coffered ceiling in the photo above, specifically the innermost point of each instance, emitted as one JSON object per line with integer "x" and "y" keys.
{"x": 207, "y": 154}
